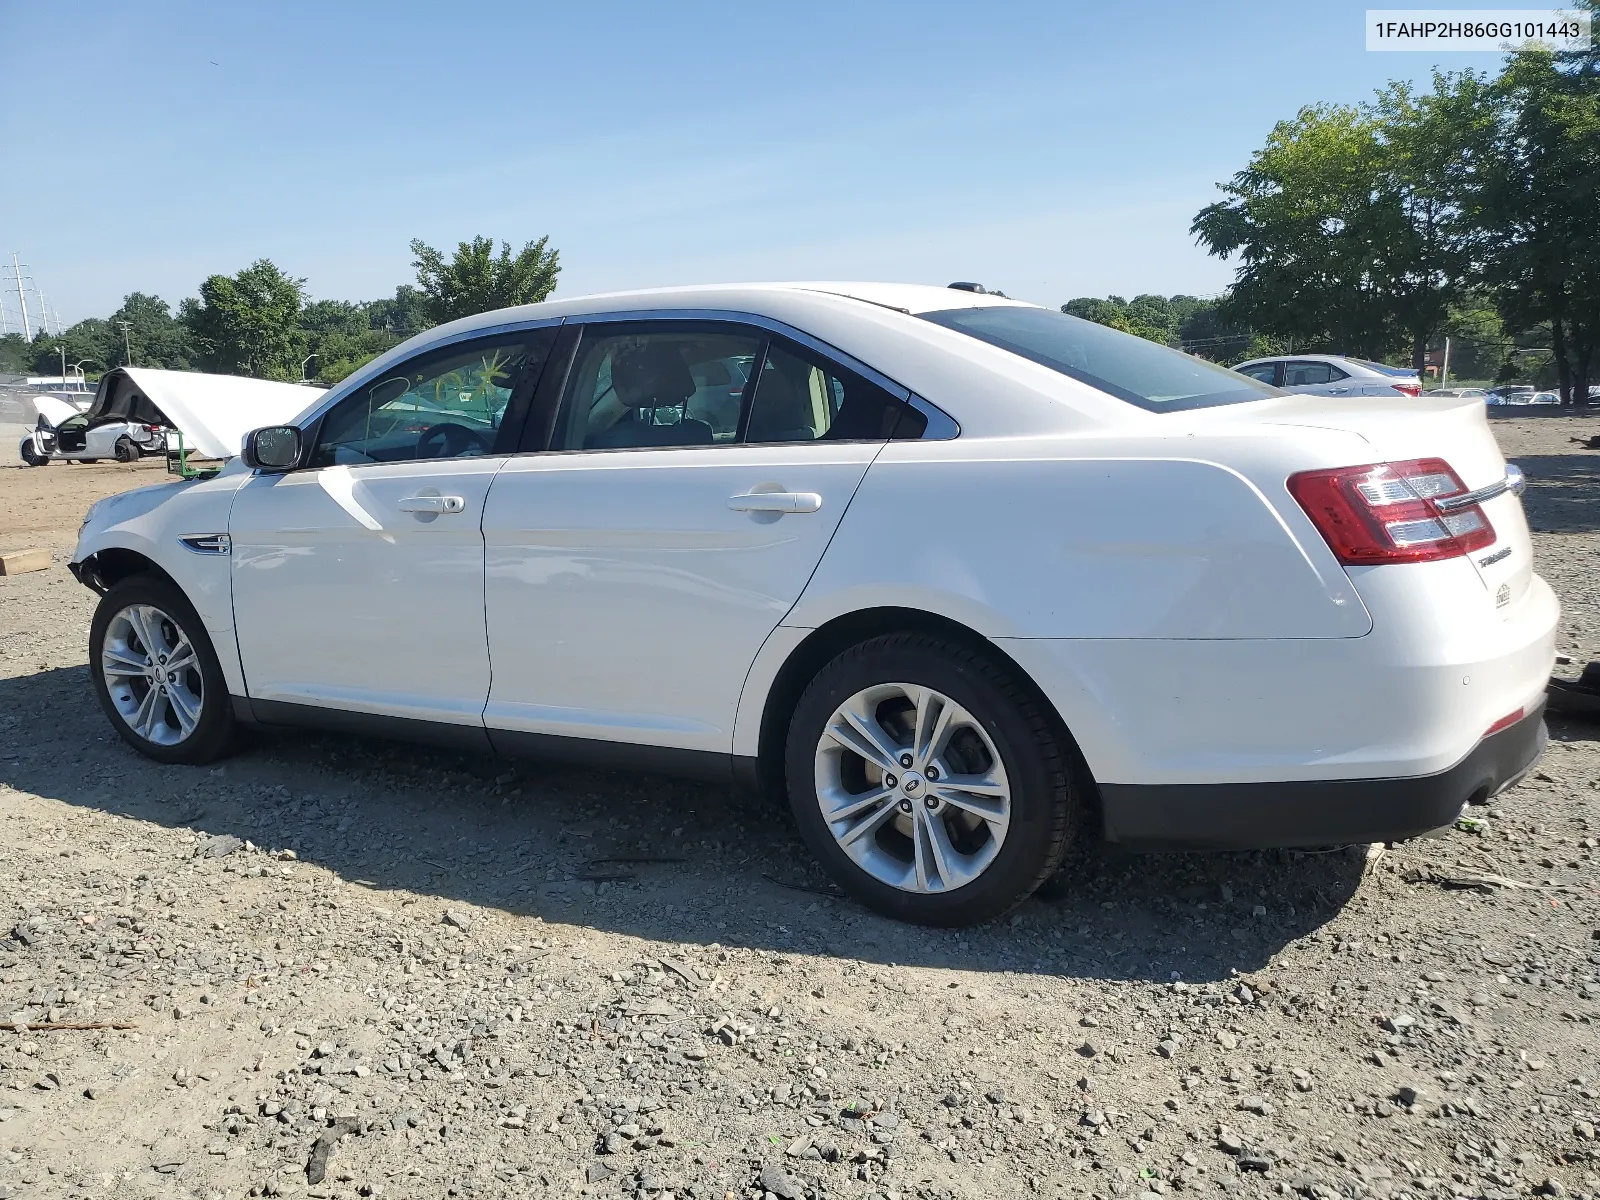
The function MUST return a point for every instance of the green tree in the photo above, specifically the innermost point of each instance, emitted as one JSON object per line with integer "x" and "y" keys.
{"x": 402, "y": 317}
{"x": 16, "y": 355}
{"x": 249, "y": 323}
{"x": 477, "y": 280}
{"x": 1534, "y": 197}
{"x": 154, "y": 335}
{"x": 93, "y": 339}
{"x": 1347, "y": 223}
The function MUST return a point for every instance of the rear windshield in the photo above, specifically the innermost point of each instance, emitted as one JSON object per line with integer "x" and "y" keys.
{"x": 1382, "y": 369}
{"x": 1130, "y": 368}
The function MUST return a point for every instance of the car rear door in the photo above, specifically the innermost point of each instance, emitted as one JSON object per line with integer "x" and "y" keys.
{"x": 636, "y": 566}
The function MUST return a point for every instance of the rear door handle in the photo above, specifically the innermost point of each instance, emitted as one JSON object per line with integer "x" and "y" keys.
{"x": 776, "y": 502}
{"x": 433, "y": 504}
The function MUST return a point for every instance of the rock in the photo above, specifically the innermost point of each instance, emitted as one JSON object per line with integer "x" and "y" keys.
{"x": 1166, "y": 1047}
{"x": 598, "y": 1172}
{"x": 1550, "y": 1187}
{"x": 222, "y": 845}
{"x": 1229, "y": 1142}
{"x": 1409, "y": 1095}
{"x": 776, "y": 1180}
{"x": 1227, "y": 1040}
{"x": 1259, "y": 1105}
{"x": 460, "y": 920}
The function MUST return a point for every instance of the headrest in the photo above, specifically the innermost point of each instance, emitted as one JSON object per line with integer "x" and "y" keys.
{"x": 655, "y": 372}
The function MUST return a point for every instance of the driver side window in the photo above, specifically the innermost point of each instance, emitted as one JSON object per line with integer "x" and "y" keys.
{"x": 447, "y": 404}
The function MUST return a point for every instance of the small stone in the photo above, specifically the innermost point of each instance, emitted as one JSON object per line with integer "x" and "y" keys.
{"x": 1229, "y": 1142}
{"x": 598, "y": 1172}
{"x": 222, "y": 845}
{"x": 460, "y": 920}
{"x": 1550, "y": 1187}
{"x": 1409, "y": 1095}
{"x": 1227, "y": 1040}
{"x": 1166, "y": 1047}
{"x": 1259, "y": 1105}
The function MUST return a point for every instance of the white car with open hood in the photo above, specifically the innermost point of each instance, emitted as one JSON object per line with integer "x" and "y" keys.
{"x": 962, "y": 577}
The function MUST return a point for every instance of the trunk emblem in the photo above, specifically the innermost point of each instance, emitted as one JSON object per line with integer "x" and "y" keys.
{"x": 1489, "y": 560}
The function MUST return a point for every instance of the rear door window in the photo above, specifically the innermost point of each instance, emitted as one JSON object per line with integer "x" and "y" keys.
{"x": 1309, "y": 374}
{"x": 801, "y": 397}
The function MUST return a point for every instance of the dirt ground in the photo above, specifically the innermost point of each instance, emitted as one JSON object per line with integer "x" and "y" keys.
{"x": 339, "y": 968}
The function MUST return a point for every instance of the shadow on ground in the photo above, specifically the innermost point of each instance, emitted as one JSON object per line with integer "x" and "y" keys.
{"x": 1563, "y": 493}
{"x": 645, "y": 856}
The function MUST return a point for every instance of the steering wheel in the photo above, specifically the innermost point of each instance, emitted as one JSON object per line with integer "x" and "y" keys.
{"x": 450, "y": 440}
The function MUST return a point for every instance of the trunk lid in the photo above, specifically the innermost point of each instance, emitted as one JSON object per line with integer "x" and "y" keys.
{"x": 1455, "y": 429}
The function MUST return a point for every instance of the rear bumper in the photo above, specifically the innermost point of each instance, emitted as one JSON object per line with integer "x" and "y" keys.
{"x": 1319, "y": 812}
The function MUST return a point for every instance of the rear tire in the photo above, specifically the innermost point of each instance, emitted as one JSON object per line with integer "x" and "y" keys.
{"x": 125, "y": 450}
{"x": 147, "y": 638}
{"x": 961, "y": 834}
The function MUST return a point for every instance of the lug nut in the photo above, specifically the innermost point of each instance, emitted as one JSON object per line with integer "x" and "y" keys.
{"x": 905, "y": 760}
{"x": 905, "y": 806}
{"x": 932, "y": 772}
{"x": 931, "y": 802}
{"x": 890, "y": 781}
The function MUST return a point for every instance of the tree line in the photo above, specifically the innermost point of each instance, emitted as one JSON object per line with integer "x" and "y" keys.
{"x": 1471, "y": 207}
{"x": 261, "y": 322}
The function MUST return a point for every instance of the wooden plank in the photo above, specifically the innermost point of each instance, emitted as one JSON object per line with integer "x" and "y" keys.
{"x": 18, "y": 561}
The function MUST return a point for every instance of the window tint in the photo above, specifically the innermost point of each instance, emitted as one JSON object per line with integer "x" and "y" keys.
{"x": 1304, "y": 374}
{"x": 800, "y": 398}
{"x": 1119, "y": 364}
{"x": 680, "y": 387}
{"x": 1265, "y": 372}
{"x": 448, "y": 404}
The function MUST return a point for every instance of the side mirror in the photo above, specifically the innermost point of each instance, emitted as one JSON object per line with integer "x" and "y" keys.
{"x": 275, "y": 448}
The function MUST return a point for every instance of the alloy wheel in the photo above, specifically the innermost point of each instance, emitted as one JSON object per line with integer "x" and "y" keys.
{"x": 912, "y": 788}
{"x": 152, "y": 674}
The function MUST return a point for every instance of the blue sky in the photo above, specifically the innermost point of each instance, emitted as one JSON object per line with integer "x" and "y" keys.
{"x": 1053, "y": 149}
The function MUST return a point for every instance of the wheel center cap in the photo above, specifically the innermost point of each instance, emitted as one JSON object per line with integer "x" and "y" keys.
{"x": 161, "y": 675}
{"x": 911, "y": 783}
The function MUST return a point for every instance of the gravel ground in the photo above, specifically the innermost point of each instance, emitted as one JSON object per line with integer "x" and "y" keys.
{"x": 341, "y": 968}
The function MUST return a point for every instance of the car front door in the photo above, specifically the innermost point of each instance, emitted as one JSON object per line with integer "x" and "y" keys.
{"x": 694, "y": 476}
{"x": 358, "y": 578}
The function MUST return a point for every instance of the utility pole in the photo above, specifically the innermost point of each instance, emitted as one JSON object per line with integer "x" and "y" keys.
{"x": 22, "y": 299}
{"x": 1444, "y": 369}
{"x": 125, "y": 343}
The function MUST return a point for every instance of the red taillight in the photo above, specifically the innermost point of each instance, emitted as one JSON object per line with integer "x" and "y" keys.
{"x": 1390, "y": 512}
{"x": 1407, "y": 389}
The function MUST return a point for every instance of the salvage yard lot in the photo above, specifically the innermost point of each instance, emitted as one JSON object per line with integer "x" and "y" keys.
{"x": 511, "y": 979}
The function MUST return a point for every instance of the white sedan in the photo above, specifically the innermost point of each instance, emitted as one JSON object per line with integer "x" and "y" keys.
{"x": 1333, "y": 375}
{"x": 962, "y": 578}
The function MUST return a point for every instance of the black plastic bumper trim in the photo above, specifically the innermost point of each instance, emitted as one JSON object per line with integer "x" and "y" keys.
{"x": 1322, "y": 812}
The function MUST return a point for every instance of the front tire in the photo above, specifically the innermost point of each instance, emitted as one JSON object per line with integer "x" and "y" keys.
{"x": 929, "y": 780}
{"x": 157, "y": 675}
{"x": 125, "y": 450}
{"x": 31, "y": 455}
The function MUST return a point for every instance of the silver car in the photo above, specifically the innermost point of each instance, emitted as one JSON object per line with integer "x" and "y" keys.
{"x": 1332, "y": 375}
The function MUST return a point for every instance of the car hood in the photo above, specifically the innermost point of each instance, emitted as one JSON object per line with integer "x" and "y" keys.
{"x": 213, "y": 412}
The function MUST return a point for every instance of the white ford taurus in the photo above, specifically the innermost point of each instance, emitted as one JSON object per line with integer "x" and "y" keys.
{"x": 964, "y": 577}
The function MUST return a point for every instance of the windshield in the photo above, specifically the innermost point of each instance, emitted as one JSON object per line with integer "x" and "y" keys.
{"x": 1130, "y": 368}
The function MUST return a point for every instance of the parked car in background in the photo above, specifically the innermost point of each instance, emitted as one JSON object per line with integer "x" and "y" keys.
{"x": 958, "y": 576}
{"x": 1459, "y": 393}
{"x": 1332, "y": 375}
{"x": 64, "y": 432}
{"x": 1511, "y": 393}
{"x": 1545, "y": 398}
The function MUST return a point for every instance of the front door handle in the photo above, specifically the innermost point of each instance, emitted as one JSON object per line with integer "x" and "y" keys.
{"x": 433, "y": 504}
{"x": 776, "y": 502}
